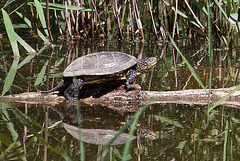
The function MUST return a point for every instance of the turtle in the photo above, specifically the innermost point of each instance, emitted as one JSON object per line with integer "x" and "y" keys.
{"x": 101, "y": 67}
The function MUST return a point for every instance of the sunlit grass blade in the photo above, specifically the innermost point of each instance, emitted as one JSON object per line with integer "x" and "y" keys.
{"x": 134, "y": 121}
{"x": 25, "y": 45}
{"x": 178, "y": 11}
{"x": 41, "y": 15}
{"x": 225, "y": 98}
{"x": 229, "y": 7}
{"x": 131, "y": 122}
{"x": 220, "y": 7}
{"x": 56, "y": 6}
{"x": 10, "y": 76}
{"x": 123, "y": 128}
{"x": 225, "y": 142}
{"x": 195, "y": 75}
{"x": 25, "y": 61}
{"x": 29, "y": 57}
{"x": 182, "y": 14}
{"x": 8, "y": 2}
{"x": 12, "y": 143}
{"x": 30, "y": 50}
{"x": 182, "y": 144}
{"x": 10, "y": 33}
{"x": 29, "y": 23}
{"x": 10, "y": 126}
{"x": 81, "y": 145}
{"x": 41, "y": 74}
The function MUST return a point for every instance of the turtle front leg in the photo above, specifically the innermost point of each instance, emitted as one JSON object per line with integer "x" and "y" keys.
{"x": 71, "y": 93}
{"x": 130, "y": 79}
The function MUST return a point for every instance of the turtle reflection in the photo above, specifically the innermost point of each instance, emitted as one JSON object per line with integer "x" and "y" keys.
{"x": 100, "y": 124}
{"x": 96, "y": 136}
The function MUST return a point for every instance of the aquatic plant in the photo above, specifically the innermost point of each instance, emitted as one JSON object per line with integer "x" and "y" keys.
{"x": 137, "y": 21}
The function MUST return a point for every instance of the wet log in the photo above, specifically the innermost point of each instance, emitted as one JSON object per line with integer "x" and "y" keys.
{"x": 34, "y": 98}
{"x": 194, "y": 97}
{"x": 121, "y": 97}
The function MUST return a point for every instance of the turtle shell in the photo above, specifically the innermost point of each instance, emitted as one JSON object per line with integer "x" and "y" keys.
{"x": 100, "y": 63}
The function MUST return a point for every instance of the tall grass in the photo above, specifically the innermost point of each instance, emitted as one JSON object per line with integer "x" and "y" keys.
{"x": 133, "y": 19}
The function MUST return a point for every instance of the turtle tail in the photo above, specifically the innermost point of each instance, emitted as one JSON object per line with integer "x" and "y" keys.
{"x": 57, "y": 88}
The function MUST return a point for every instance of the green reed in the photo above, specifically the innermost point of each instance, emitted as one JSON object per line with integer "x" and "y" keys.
{"x": 210, "y": 49}
{"x": 127, "y": 20}
{"x": 133, "y": 19}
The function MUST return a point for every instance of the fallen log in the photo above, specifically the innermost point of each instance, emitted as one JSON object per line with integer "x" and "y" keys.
{"x": 195, "y": 97}
{"x": 120, "y": 98}
{"x": 34, "y": 98}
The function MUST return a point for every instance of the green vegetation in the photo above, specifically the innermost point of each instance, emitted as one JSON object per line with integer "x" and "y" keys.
{"x": 161, "y": 21}
{"x": 130, "y": 20}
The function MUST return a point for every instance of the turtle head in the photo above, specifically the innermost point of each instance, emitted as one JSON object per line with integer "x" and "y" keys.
{"x": 146, "y": 65}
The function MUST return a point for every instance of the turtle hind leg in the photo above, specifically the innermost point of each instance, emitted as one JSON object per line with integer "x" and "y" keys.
{"x": 71, "y": 93}
{"x": 130, "y": 79}
{"x": 57, "y": 88}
